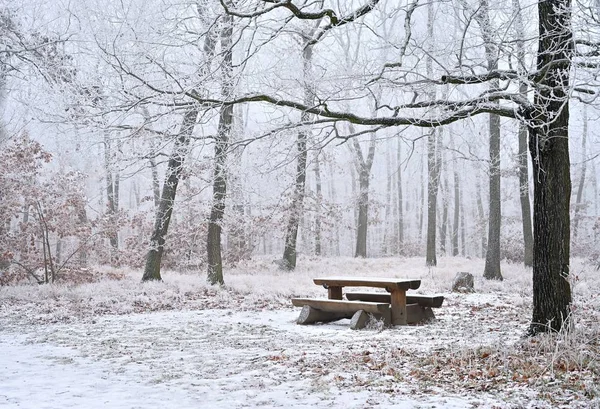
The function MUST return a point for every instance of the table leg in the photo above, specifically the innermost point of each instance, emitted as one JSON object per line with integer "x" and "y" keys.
{"x": 398, "y": 307}
{"x": 335, "y": 293}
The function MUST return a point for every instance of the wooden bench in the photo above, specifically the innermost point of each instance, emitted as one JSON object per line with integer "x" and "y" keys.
{"x": 321, "y": 310}
{"x": 418, "y": 307}
{"x": 392, "y": 309}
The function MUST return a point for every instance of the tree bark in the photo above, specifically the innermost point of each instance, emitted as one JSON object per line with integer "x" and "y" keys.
{"x": 492, "y": 255}
{"x": 213, "y": 241}
{"x": 363, "y": 167}
{"x": 289, "y": 252}
{"x": 548, "y": 125}
{"x": 363, "y": 214}
{"x": 167, "y": 199}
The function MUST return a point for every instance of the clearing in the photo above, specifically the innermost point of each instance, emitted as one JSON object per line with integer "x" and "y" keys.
{"x": 118, "y": 343}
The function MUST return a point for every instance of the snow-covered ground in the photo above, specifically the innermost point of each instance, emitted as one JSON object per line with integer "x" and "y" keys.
{"x": 182, "y": 343}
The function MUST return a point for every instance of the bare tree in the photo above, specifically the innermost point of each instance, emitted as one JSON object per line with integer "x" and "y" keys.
{"x": 213, "y": 242}
{"x": 167, "y": 198}
{"x": 492, "y": 255}
{"x": 363, "y": 165}
{"x": 175, "y": 168}
{"x": 291, "y": 237}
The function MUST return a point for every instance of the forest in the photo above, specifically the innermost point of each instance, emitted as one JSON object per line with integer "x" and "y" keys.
{"x": 252, "y": 145}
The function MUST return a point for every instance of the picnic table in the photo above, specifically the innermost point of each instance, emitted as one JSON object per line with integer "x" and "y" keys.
{"x": 393, "y": 307}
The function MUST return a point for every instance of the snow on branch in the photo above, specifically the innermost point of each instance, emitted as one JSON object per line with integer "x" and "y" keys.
{"x": 334, "y": 19}
{"x": 468, "y": 108}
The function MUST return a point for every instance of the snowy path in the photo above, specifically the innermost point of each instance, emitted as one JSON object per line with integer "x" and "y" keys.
{"x": 45, "y": 376}
{"x": 201, "y": 359}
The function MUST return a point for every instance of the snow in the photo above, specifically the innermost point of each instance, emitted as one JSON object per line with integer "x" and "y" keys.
{"x": 214, "y": 358}
{"x": 185, "y": 344}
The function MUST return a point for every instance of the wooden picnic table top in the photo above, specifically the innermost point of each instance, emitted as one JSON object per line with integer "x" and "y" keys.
{"x": 389, "y": 284}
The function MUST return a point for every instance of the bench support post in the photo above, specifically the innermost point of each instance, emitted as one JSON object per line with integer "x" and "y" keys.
{"x": 334, "y": 293}
{"x": 398, "y": 304}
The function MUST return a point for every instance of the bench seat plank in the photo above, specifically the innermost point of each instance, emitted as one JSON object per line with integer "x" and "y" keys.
{"x": 341, "y": 305}
{"x": 435, "y": 301}
{"x": 387, "y": 283}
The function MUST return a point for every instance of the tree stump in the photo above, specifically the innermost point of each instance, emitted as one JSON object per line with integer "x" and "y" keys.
{"x": 463, "y": 283}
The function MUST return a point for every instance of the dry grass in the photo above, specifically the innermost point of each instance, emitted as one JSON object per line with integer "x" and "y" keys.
{"x": 474, "y": 346}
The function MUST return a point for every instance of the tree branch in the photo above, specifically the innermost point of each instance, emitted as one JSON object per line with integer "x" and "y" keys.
{"x": 469, "y": 109}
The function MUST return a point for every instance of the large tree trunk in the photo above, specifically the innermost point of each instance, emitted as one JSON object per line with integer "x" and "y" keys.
{"x": 213, "y": 241}
{"x": 167, "y": 199}
{"x": 549, "y": 147}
